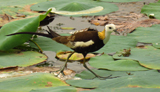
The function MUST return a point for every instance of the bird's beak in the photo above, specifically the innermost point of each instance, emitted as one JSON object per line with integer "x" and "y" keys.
{"x": 116, "y": 31}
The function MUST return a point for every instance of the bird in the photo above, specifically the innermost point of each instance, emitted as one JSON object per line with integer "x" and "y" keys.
{"x": 47, "y": 20}
{"x": 83, "y": 42}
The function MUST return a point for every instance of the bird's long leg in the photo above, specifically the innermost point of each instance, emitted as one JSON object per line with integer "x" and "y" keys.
{"x": 96, "y": 76}
{"x": 64, "y": 66}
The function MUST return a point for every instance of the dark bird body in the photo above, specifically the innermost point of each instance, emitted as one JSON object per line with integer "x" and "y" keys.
{"x": 82, "y": 42}
{"x": 70, "y": 41}
{"x": 98, "y": 43}
{"x": 47, "y": 20}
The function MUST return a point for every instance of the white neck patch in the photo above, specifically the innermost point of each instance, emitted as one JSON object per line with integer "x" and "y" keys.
{"x": 107, "y": 36}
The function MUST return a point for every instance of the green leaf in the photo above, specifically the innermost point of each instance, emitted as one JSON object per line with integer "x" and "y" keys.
{"x": 147, "y": 34}
{"x": 152, "y": 8}
{"x": 76, "y": 7}
{"x": 107, "y": 62}
{"x": 148, "y": 57}
{"x": 24, "y": 25}
{"x": 85, "y": 83}
{"x": 120, "y": 0}
{"x": 41, "y": 17}
{"x": 48, "y": 44}
{"x": 88, "y": 75}
{"x": 14, "y": 58}
{"x": 8, "y": 42}
{"x": 11, "y": 7}
{"x": 125, "y": 90}
{"x": 10, "y": 10}
{"x": 142, "y": 79}
{"x": 156, "y": 45}
{"x": 56, "y": 89}
{"x": 29, "y": 82}
{"x": 18, "y": 2}
{"x": 117, "y": 43}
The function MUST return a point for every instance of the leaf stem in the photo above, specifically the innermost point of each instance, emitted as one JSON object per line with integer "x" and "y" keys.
{"x": 37, "y": 45}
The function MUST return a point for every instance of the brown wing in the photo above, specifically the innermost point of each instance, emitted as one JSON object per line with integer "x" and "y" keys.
{"x": 73, "y": 40}
{"x": 84, "y": 36}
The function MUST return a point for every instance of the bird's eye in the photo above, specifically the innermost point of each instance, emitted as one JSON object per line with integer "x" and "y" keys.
{"x": 110, "y": 27}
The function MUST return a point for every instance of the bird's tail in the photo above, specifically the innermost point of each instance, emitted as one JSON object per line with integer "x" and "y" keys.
{"x": 51, "y": 34}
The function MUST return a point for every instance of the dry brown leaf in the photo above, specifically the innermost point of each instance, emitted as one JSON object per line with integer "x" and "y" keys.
{"x": 9, "y": 69}
{"x": 100, "y": 20}
{"x": 130, "y": 27}
{"x": 125, "y": 23}
{"x": 5, "y": 18}
{"x": 68, "y": 72}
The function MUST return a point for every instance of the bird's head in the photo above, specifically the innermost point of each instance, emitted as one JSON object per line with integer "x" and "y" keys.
{"x": 105, "y": 34}
{"x": 109, "y": 28}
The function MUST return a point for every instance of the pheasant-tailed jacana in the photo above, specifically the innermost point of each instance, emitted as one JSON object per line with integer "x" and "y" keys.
{"x": 47, "y": 20}
{"x": 81, "y": 42}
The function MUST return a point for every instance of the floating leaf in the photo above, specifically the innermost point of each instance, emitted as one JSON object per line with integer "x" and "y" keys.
{"x": 125, "y": 90}
{"x": 56, "y": 89}
{"x": 117, "y": 43}
{"x": 48, "y": 44}
{"x": 76, "y": 56}
{"x": 152, "y": 8}
{"x": 76, "y": 7}
{"x": 120, "y": 0}
{"x": 19, "y": 3}
{"x": 67, "y": 28}
{"x": 156, "y": 45}
{"x": 88, "y": 75}
{"x": 148, "y": 57}
{"x": 24, "y": 25}
{"x": 107, "y": 62}
{"x": 142, "y": 79}
{"x": 14, "y": 58}
{"x": 29, "y": 82}
{"x": 147, "y": 34}
{"x": 12, "y": 7}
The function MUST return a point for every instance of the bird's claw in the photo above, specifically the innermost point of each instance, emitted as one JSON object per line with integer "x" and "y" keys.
{"x": 58, "y": 72}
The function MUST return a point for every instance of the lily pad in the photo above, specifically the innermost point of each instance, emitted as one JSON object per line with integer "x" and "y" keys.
{"x": 63, "y": 55}
{"x": 148, "y": 57}
{"x": 68, "y": 28}
{"x": 76, "y": 7}
{"x": 12, "y": 7}
{"x": 147, "y": 35}
{"x": 156, "y": 45}
{"x": 142, "y": 79}
{"x": 48, "y": 44}
{"x": 14, "y": 58}
{"x": 117, "y": 43}
{"x": 88, "y": 75}
{"x": 125, "y": 90}
{"x": 56, "y": 89}
{"x": 24, "y": 25}
{"x": 18, "y": 2}
{"x": 152, "y": 8}
{"x": 30, "y": 82}
{"x": 107, "y": 62}
{"x": 120, "y": 0}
